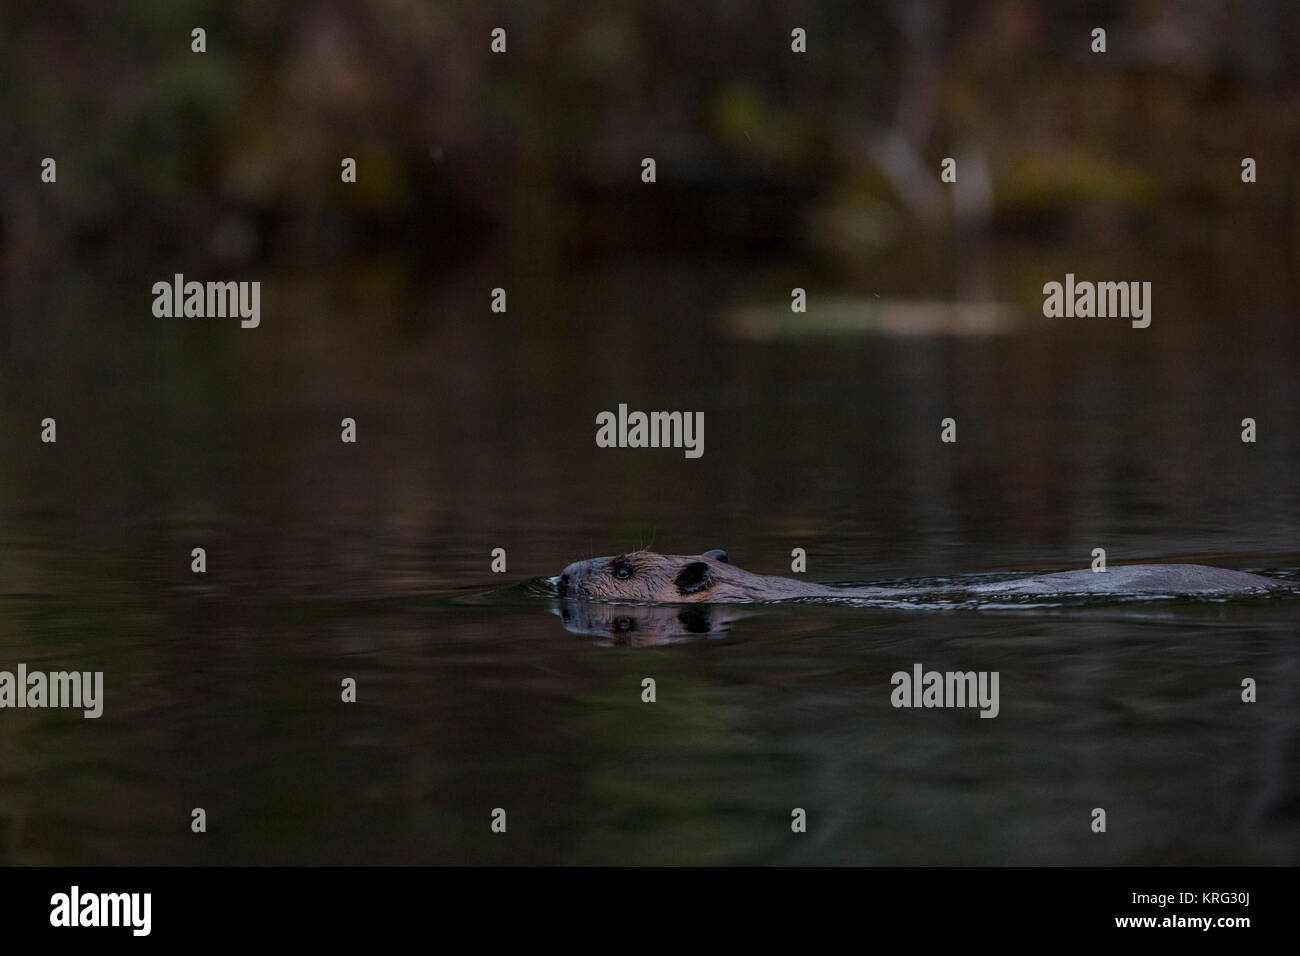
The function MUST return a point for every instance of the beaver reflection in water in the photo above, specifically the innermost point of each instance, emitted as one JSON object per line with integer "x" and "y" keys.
{"x": 646, "y": 577}
{"x": 647, "y": 625}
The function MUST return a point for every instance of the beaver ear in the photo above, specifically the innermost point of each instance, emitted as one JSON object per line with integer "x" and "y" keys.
{"x": 693, "y": 578}
{"x": 717, "y": 554}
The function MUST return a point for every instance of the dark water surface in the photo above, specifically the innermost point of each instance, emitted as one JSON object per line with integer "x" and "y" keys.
{"x": 476, "y": 431}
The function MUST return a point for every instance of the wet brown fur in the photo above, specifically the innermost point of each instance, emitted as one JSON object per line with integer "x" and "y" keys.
{"x": 658, "y": 579}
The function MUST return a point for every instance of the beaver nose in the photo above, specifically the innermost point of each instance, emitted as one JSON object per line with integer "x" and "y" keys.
{"x": 562, "y": 586}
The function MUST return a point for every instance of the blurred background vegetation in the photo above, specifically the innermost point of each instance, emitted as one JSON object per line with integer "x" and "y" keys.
{"x": 831, "y": 156}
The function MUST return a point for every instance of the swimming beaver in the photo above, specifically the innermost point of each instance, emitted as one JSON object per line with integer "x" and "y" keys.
{"x": 647, "y": 577}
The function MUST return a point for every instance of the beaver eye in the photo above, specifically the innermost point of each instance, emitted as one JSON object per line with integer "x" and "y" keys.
{"x": 624, "y": 624}
{"x": 623, "y": 571}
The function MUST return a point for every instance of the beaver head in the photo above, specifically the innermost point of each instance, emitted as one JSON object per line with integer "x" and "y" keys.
{"x": 641, "y": 576}
{"x": 646, "y": 577}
